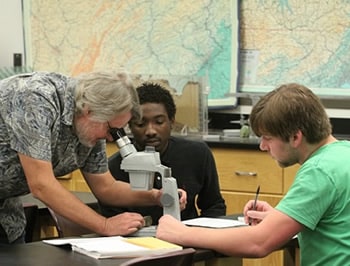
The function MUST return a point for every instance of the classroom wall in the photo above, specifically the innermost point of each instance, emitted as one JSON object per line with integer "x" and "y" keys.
{"x": 11, "y": 32}
{"x": 11, "y": 27}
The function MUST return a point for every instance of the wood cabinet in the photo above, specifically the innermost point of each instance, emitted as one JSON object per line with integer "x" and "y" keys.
{"x": 240, "y": 172}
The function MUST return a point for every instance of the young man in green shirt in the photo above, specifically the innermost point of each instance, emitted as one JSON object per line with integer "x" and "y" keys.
{"x": 294, "y": 129}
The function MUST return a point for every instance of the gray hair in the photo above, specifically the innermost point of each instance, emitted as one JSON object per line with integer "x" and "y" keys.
{"x": 106, "y": 95}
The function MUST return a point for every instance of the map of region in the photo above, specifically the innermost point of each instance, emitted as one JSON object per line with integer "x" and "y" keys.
{"x": 295, "y": 41}
{"x": 174, "y": 38}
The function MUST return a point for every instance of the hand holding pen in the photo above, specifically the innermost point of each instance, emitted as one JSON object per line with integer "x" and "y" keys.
{"x": 256, "y": 210}
{"x": 255, "y": 201}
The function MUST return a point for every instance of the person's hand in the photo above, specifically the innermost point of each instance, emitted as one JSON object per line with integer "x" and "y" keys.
{"x": 170, "y": 229}
{"x": 254, "y": 217}
{"x": 182, "y": 199}
{"x": 157, "y": 195}
{"x": 124, "y": 224}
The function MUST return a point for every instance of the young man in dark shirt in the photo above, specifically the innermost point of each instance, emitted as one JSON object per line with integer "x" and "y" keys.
{"x": 191, "y": 162}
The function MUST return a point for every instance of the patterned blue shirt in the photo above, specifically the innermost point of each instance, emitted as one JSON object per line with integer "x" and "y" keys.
{"x": 36, "y": 119}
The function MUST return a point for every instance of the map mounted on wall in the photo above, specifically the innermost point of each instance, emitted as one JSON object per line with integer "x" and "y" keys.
{"x": 295, "y": 41}
{"x": 183, "y": 37}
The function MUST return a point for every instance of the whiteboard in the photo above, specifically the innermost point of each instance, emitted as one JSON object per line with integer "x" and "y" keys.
{"x": 11, "y": 31}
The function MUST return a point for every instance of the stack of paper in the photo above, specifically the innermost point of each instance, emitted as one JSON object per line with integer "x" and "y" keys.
{"x": 213, "y": 222}
{"x": 113, "y": 247}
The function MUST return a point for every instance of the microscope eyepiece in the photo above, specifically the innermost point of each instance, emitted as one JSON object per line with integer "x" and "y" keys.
{"x": 117, "y": 133}
{"x": 123, "y": 142}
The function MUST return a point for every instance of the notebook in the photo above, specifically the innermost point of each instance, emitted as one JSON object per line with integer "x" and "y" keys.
{"x": 116, "y": 246}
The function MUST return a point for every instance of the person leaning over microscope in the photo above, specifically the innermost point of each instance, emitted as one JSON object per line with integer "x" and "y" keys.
{"x": 191, "y": 162}
{"x": 51, "y": 125}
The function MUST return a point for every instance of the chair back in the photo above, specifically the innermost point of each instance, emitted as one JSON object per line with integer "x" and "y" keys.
{"x": 30, "y": 212}
{"x": 182, "y": 257}
{"x": 66, "y": 228}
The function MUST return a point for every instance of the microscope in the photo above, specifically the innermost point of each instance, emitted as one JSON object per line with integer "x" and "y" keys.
{"x": 142, "y": 166}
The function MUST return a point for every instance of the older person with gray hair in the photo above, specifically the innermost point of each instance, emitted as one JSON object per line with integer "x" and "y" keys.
{"x": 51, "y": 125}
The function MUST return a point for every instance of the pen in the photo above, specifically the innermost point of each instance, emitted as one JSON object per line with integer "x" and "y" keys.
{"x": 256, "y": 199}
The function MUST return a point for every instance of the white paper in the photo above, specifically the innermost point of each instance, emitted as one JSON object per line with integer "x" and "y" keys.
{"x": 66, "y": 241}
{"x": 116, "y": 246}
{"x": 108, "y": 247}
{"x": 213, "y": 222}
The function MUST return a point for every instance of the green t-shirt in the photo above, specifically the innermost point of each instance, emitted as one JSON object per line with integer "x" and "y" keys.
{"x": 319, "y": 199}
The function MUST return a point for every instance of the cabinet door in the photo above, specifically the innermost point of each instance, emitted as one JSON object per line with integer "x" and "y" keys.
{"x": 245, "y": 170}
{"x": 235, "y": 201}
{"x": 273, "y": 259}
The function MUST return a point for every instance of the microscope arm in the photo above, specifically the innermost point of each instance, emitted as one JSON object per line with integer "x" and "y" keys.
{"x": 142, "y": 166}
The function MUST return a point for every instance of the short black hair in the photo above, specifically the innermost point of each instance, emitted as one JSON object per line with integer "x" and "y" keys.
{"x": 150, "y": 92}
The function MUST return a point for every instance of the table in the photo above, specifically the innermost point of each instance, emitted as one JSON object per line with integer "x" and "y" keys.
{"x": 39, "y": 253}
{"x": 88, "y": 198}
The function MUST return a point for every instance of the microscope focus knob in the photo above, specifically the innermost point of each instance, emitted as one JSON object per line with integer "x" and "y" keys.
{"x": 167, "y": 200}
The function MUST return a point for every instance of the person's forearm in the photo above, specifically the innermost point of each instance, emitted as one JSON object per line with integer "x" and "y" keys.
{"x": 120, "y": 194}
{"x": 225, "y": 241}
{"x": 66, "y": 204}
{"x": 45, "y": 187}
